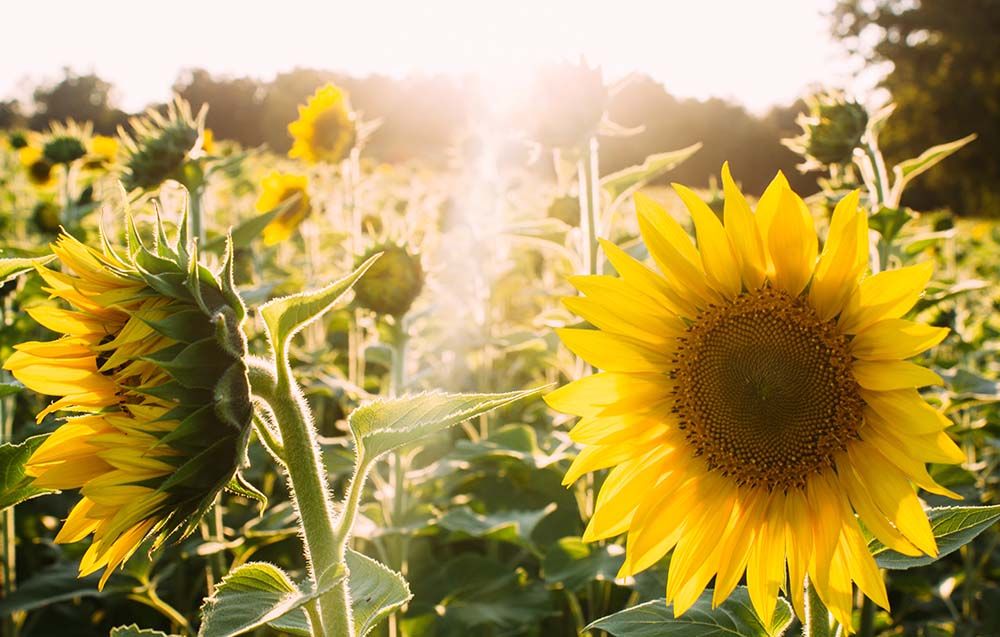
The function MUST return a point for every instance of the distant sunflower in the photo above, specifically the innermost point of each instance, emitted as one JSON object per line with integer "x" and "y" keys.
{"x": 101, "y": 151}
{"x": 278, "y": 188}
{"x": 151, "y": 363}
{"x": 326, "y": 128}
{"x": 755, "y": 397}
{"x": 39, "y": 169}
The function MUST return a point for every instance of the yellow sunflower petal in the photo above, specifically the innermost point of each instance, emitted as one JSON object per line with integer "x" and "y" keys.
{"x": 888, "y": 375}
{"x": 896, "y": 339}
{"x": 839, "y": 265}
{"x": 792, "y": 244}
{"x": 718, "y": 257}
{"x": 612, "y": 352}
{"x": 766, "y": 564}
{"x": 886, "y": 295}
{"x": 647, "y": 281}
{"x": 741, "y": 227}
{"x": 907, "y": 408}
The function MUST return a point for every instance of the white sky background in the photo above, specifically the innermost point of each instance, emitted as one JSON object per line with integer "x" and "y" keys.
{"x": 756, "y": 52}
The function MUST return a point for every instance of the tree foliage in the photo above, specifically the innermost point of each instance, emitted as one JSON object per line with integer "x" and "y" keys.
{"x": 945, "y": 81}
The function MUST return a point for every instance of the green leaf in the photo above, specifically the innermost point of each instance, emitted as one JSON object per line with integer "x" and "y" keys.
{"x": 244, "y": 233}
{"x": 16, "y": 487}
{"x": 906, "y": 170}
{"x": 285, "y": 316}
{"x": 384, "y": 425}
{"x": 251, "y": 596}
{"x": 15, "y": 267}
{"x": 734, "y": 617}
{"x": 634, "y": 177}
{"x": 241, "y": 486}
{"x": 889, "y": 221}
{"x": 514, "y": 527}
{"x": 134, "y": 631}
{"x": 11, "y": 388}
{"x": 953, "y": 528}
{"x": 59, "y": 583}
{"x": 574, "y": 563}
{"x": 376, "y": 591}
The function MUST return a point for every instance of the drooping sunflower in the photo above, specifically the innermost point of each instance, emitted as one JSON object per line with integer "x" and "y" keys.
{"x": 326, "y": 129}
{"x": 756, "y": 402}
{"x": 278, "y": 188}
{"x": 151, "y": 366}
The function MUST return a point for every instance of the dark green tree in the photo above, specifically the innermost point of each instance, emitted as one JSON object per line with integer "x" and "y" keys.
{"x": 945, "y": 80}
{"x": 85, "y": 98}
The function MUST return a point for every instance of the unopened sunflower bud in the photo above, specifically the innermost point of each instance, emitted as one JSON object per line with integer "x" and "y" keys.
{"x": 64, "y": 150}
{"x": 160, "y": 146}
{"x": 152, "y": 363}
{"x": 568, "y": 104}
{"x": 831, "y": 130}
{"x": 392, "y": 283}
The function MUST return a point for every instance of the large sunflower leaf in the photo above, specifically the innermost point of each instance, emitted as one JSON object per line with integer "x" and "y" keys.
{"x": 953, "y": 528}
{"x": 15, "y": 486}
{"x": 634, "y": 177}
{"x": 733, "y": 618}
{"x": 60, "y": 582}
{"x": 907, "y": 170}
{"x": 286, "y": 316}
{"x": 384, "y": 425}
{"x": 376, "y": 591}
{"x": 573, "y": 563}
{"x": 251, "y": 596}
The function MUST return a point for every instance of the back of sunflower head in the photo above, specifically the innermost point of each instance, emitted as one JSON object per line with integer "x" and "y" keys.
{"x": 151, "y": 367}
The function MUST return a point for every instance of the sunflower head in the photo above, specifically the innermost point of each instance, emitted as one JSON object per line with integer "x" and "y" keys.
{"x": 284, "y": 188}
{"x": 568, "y": 103}
{"x": 64, "y": 150}
{"x": 101, "y": 151}
{"x": 392, "y": 283}
{"x": 17, "y": 139}
{"x": 47, "y": 216}
{"x": 150, "y": 366}
{"x": 831, "y": 130}
{"x": 756, "y": 402}
{"x": 160, "y": 146}
{"x": 326, "y": 129}
{"x": 39, "y": 170}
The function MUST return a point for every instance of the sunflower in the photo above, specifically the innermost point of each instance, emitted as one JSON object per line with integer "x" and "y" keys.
{"x": 756, "y": 402}
{"x": 162, "y": 147}
{"x": 38, "y": 168}
{"x": 326, "y": 129}
{"x": 101, "y": 151}
{"x": 277, "y": 189}
{"x": 150, "y": 364}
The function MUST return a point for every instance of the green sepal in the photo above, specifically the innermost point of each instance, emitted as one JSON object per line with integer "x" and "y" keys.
{"x": 15, "y": 486}
{"x": 197, "y": 366}
{"x": 185, "y": 326}
{"x": 197, "y": 425}
{"x": 241, "y": 486}
{"x": 15, "y": 267}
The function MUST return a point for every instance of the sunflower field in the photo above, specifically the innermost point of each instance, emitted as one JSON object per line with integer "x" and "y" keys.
{"x": 310, "y": 393}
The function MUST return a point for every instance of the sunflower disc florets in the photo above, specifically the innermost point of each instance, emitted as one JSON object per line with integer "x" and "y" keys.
{"x": 151, "y": 363}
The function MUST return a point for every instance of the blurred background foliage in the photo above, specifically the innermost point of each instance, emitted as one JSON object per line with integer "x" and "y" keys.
{"x": 941, "y": 59}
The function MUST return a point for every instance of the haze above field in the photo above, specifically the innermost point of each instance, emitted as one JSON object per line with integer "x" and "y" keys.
{"x": 755, "y": 53}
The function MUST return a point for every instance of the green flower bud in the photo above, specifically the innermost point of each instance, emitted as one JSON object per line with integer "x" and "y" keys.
{"x": 392, "y": 283}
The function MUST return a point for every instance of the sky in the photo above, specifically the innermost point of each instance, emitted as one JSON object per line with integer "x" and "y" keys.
{"x": 756, "y": 52}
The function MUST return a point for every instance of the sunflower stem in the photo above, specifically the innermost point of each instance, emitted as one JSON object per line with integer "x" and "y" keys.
{"x": 817, "y": 616}
{"x": 309, "y": 489}
{"x": 397, "y": 380}
{"x": 195, "y": 221}
{"x": 867, "y": 625}
{"x": 8, "y": 541}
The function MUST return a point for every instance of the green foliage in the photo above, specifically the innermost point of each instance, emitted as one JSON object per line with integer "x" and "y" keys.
{"x": 376, "y": 592}
{"x": 734, "y": 617}
{"x": 15, "y": 486}
{"x": 135, "y": 631}
{"x": 953, "y": 527}
{"x": 385, "y": 425}
{"x": 253, "y": 595}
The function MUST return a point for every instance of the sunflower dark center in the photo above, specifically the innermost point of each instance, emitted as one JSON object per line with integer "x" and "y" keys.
{"x": 330, "y": 130}
{"x": 764, "y": 389}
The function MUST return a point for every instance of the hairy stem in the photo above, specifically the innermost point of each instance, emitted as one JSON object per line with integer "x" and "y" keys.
{"x": 817, "y": 617}
{"x": 309, "y": 489}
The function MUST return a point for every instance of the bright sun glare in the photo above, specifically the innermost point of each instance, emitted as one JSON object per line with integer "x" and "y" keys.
{"x": 724, "y": 48}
